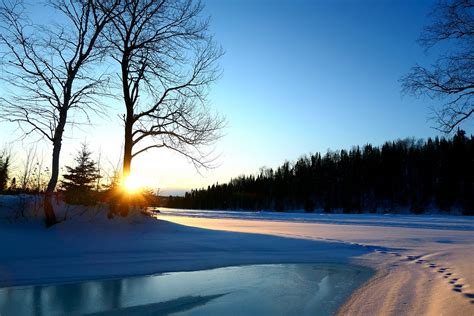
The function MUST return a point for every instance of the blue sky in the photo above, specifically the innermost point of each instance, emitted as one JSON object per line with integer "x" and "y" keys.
{"x": 299, "y": 77}
{"x": 305, "y": 76}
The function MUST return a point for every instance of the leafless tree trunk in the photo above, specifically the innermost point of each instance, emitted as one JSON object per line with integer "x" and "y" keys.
{"x": 40, "y": 181}
{"x": 451, "y": 77}
{"x": 167, "y": 62}
{"x": 25, "y": 178}
{"x": 49, "y": 70}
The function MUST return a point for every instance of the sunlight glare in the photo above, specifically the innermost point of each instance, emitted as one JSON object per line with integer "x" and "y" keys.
{"x": 132, "y": 183}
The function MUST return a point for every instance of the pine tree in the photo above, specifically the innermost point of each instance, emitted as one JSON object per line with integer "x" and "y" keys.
{"x": 79, "y": 181}
{"x": 4, "y": 168}
{"x": 398, "y": 175}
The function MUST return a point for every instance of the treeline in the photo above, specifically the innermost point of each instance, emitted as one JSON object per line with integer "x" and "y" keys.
{"x": 407, "y": 174}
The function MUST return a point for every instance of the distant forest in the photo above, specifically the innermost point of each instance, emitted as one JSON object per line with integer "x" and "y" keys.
{"x": 408, "y": 174}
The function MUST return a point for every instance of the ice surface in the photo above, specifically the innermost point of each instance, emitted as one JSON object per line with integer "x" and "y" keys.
{"x": 283, "y": 289}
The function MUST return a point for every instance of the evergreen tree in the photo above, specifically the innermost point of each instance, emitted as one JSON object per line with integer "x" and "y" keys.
{"x": 407, "y": 174}
{"x": 4, "y": 168}
{"x": 79, "y": 181}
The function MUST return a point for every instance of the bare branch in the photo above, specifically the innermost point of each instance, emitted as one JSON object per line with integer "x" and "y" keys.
{"x": 451, "y": 77}
{"x": 48, "y": 70}
{"x": 167, "y": 61}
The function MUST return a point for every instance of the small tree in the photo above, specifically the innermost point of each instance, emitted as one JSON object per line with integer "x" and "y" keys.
{"x": 79, "y": 181}
{"x": 4, "y": 166}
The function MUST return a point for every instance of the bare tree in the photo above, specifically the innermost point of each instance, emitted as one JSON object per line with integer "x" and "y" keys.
{"x": 451, "y": 77}
{"x": 48, "y": 68}
{"x": 28, "y": 165}
{"x": 167, "y": 62}
{"x": 39, "y": 174}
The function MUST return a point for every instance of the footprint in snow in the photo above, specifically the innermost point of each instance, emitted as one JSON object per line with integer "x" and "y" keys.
{"x": 453, "y": 280}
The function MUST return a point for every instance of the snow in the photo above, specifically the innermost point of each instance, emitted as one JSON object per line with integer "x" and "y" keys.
{"x": 91, "y": 246}
{"x": 424, "y": 263}
{"x": 391, "y": 220}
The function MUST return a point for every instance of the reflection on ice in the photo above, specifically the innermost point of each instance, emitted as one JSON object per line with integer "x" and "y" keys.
{"x": 282, "y": 289}
{"x": 181, "y": 304}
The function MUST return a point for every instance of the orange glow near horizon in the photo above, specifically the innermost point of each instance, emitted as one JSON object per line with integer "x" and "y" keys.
{"x": 133, "y": 183}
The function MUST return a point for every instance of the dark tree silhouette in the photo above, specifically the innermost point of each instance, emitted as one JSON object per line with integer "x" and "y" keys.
{"x": 404, "y": 175}
{"x": 451, "y": 77}
{"x": 167, "y": 62}
{"x": 79, "y": 181}
{"x": 49, "y": 70}
{"x": 4, "y": 169}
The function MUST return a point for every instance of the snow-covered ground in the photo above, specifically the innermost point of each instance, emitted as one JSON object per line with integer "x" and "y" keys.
{"x": 90, "y": 246}
{"x": 424, "y": 264}
{"x": 391, "y": 220}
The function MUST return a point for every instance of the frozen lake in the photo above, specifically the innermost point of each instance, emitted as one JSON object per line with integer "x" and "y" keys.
{"x": 276, "y": 289}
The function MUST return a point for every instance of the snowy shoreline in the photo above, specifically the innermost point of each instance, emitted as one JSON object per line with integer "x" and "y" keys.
{"x": 80, "y": 250}
{"x": 430, "y": 221}
{"x": 420, "y": 269}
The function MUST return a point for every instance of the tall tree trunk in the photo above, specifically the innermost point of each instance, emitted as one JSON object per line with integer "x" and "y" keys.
{"x": 127, "y": 161}
{"x": 127, "y": 154}
{"x": 125, "y": 202}
{"x": 49, "y": 215}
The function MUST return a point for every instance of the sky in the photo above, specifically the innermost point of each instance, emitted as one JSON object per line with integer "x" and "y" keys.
{"x": 299, "y": 77}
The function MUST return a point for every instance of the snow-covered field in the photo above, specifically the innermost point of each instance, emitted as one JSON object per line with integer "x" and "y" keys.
{"x": 391, "y": 220}
{"x": 90, "y": 246}
{"x": 424, "y": 264}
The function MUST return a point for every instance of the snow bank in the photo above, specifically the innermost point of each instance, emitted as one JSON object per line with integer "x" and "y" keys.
{"x": 424, "y": 263}
{"x": 86, "y": 247}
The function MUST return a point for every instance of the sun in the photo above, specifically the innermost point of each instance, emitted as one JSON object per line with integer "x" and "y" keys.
{"x": 132, "y": 183}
